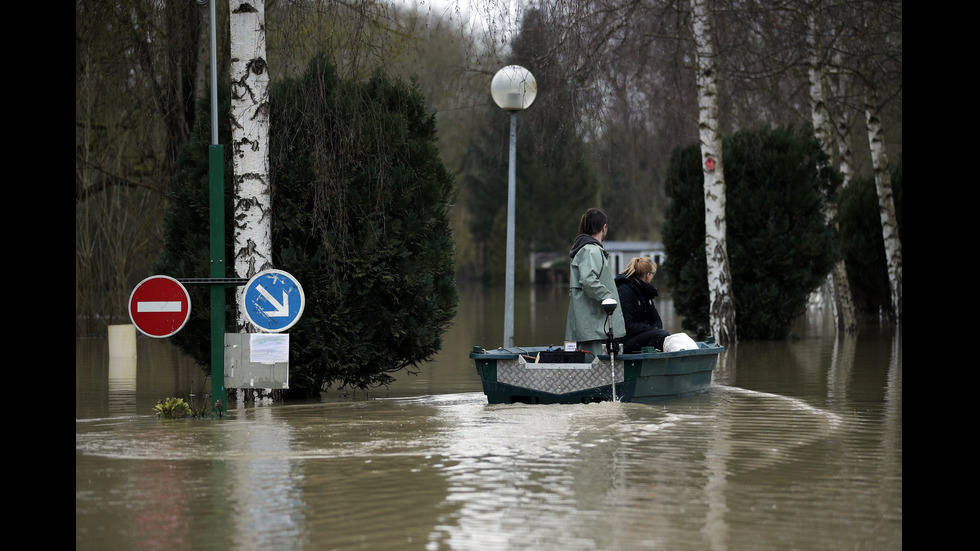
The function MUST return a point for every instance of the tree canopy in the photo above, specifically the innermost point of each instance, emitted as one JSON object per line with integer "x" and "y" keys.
{"x": 555, "y": 179}
{"x": 780, "y": 244}
{"x": 617, "y": 94}
{"x": 360, "y": 218}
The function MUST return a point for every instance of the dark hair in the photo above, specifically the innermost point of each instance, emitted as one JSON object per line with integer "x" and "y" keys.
{"x": 592, "y": 222}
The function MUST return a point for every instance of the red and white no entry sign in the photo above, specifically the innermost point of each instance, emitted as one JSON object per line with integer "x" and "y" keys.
{"x": 159, "y": 306}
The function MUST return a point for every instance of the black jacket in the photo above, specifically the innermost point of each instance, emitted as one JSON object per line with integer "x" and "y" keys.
{"x": 636, "y": 300}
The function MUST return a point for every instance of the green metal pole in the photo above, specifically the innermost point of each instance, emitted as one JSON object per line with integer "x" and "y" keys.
{"x": 217, "y": 214}
{"x": 216, "y": 181}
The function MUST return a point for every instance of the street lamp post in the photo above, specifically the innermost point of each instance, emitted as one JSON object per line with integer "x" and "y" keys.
{"x": 513, "y": 89}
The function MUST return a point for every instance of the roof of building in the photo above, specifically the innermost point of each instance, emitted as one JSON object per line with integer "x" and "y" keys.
{"x": 632, "y": 246}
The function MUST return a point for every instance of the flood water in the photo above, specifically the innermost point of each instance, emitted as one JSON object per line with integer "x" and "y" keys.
{"x": 797, "y": 445}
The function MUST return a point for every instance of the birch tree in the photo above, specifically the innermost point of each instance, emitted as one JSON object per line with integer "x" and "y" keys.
{"x": 842, "y": 122}
{"x": 840, "y": 288}
{"x": 877, "y": 58}
{"x": 886, "y": 203}
{"x": 250, "y": 142}
{"x": 722, "y": 310}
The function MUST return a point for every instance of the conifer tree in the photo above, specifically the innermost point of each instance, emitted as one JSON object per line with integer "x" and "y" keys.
{"x": 360, "y": 202}
{"x": 781, "y": 246}
{"x": 555, "y": 179}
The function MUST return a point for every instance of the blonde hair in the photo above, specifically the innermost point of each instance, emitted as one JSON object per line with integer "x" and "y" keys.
{"x": 640, "y": 266}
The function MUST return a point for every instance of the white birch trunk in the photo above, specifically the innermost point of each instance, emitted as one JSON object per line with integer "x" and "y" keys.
{"x": 722, "y": 308}
{"x": 886, "y": 202}
{"x": 840, "y": 289}
{"x": 250, "y": 140}
{"x": 818, "y": 108}
{"x": 844, "y": 153}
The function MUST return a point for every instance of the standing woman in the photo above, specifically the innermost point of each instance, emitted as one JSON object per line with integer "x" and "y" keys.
{"x": 636, "y": 293}
{"x": 590, "y": 281}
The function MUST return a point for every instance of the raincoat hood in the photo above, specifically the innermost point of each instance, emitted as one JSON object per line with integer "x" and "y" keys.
{"x": 581, "y": 241}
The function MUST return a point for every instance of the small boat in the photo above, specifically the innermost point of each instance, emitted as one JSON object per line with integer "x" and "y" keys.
{"x": 544, "y": 375}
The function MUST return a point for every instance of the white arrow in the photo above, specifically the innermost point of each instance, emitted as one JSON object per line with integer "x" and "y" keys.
{"x": 281, "y": 310}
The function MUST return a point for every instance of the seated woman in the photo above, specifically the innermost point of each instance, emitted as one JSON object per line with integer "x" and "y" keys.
{"x": 643, "y": 324}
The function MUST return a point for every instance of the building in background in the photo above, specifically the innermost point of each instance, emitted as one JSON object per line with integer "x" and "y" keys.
{"x": 553, "y": 267}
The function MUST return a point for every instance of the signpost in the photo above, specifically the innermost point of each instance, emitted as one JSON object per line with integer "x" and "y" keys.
{"x": 159, "y": 306}
{"x": 273, "y": 301}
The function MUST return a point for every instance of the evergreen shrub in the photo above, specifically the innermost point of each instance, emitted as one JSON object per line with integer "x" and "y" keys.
{"x": 360, "y": 204}
{"x": 780, "y": 246}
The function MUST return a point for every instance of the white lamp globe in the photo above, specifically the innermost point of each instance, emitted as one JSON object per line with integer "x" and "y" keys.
{"x": 513, "y": 88}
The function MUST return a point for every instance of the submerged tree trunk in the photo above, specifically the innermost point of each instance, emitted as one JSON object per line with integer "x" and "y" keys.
{"x": 840, "y": 289}
{"x": 250, "y": 140}
{"x": 722, "y": 310}
{"x": 886, "y": 202}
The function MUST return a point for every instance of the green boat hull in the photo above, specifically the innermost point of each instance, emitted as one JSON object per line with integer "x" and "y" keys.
{"x": 518, "y": 375}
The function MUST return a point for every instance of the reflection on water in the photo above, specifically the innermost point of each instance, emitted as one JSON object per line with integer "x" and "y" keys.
{"x": 797, "y": 445}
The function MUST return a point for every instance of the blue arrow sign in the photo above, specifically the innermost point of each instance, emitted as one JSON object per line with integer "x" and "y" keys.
{"x": 273, "y": 301}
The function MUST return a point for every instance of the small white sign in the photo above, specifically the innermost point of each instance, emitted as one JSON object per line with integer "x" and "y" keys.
{"x": 269, "y": 348}
{"x": 571, "y": 346}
